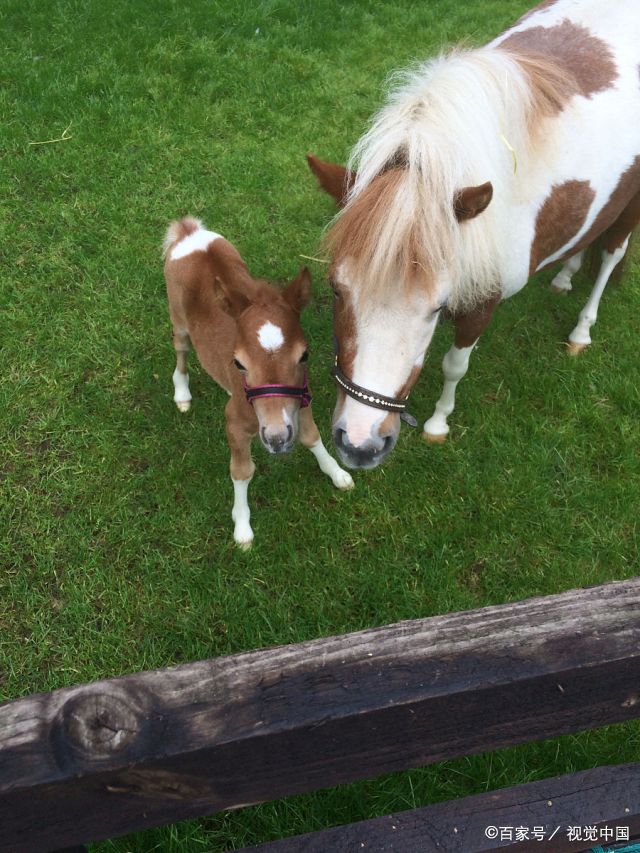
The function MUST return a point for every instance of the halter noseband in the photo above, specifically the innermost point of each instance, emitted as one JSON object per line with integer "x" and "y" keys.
{"x": 369, "y": 398}
{"x": 303, "y": 393}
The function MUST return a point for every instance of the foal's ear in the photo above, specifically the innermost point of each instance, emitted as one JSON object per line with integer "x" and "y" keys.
{"x": 231, "y": 300}
{"x": 471, "y": 201}
{"x": 334, "y": 179}
{"x": 298, "y": 292}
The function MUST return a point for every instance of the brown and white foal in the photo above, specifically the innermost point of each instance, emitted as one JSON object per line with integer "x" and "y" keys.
{"x": 247, "y": 336}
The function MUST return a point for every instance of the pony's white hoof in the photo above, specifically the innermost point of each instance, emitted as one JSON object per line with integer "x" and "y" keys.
{"x": 243, "y": 537}
{"x": 343, "y": 480}
{"x": 183, "y": 405}
{"x": 431, "y": 438}
{"x": 575, "y": 349}
{"x": 561, "y": 283}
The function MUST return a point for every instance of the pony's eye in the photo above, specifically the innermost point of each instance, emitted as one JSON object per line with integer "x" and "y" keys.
{"x": 304, "y": 357}
{"x": 239, "y": 364}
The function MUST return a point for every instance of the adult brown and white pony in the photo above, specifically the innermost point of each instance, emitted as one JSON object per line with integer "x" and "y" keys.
{"x": 483, "y": 167}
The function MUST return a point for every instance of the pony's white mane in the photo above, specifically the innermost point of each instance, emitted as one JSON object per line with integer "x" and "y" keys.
{"x": 455, "y": 121}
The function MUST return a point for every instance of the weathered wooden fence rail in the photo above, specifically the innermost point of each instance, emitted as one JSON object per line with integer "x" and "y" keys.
{"x": 104, "y": 759}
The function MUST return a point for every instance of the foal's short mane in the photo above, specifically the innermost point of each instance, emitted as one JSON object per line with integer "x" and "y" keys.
{"x": 456, "y": 121}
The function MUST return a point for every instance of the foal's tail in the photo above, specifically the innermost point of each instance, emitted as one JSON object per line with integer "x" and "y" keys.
{"x": 178, "y": 230}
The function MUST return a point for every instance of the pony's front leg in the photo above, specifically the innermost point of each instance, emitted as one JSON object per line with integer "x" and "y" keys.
{"x": 242, "y": 469}
{"x": 580, "y": 337}
{"x": 454, "y": 366}
{"x": 310, "y": 438}
{"x": 562, "y": 281}
{"x": 468, "y": 328}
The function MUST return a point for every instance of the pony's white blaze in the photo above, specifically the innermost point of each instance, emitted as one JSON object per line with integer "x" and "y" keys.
{"x": 391, "y": 341}
{"x": 270, "y": 337}
{"x": 197, "y": 241}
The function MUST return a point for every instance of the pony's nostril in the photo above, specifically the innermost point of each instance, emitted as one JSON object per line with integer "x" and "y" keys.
{"x": 289, "y": 432}
{"x": 338, "y": 438}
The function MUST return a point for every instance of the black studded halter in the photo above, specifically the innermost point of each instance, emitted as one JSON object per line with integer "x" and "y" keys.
{"x": 370, "y": 398}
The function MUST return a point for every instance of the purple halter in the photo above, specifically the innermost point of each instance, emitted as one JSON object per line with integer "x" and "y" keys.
{"x": 279, "y": 391}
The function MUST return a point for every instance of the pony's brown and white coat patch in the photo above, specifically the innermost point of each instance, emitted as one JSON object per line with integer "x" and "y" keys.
{"x": 541, "y": 127}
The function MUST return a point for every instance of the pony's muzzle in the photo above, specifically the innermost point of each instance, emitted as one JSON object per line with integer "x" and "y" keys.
{"x": 369, "y": 454}
{"x": 277, "y": 441}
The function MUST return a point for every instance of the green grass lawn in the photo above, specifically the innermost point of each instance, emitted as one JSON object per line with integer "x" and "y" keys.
{"x": 116, "y": 551}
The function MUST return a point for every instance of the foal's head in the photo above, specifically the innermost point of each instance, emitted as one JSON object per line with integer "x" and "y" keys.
{"x": 271, "y": 350}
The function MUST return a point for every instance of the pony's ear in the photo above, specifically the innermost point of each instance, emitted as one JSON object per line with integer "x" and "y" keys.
{"x": 471, "y": 201}
{"x": 231, "y": 300}
{"x": 333, "y": 179}
{"x": 298, "y": 292}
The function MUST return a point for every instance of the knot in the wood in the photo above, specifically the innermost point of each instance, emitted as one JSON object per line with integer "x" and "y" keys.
{"x": 96, "y": 726}
{"x": 100, "y": 723}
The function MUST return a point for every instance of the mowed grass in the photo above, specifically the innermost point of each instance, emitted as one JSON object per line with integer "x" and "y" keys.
{"x": 116, "y": 552}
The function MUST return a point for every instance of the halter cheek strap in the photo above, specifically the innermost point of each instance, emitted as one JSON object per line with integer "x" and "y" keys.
{"x": 302, "y": 393}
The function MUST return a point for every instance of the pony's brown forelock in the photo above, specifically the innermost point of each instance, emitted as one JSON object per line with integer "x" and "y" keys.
{"x": 356, "y": 237}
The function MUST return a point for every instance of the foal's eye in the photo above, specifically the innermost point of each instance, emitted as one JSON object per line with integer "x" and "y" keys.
{"x": 304, "y": 357}
{"x": 239, "y": 364}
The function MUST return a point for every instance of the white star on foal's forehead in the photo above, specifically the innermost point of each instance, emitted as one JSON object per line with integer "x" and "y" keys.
{"x": 270, "y": 337}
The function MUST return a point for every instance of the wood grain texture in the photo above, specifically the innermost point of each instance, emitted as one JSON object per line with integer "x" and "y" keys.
{"x": 104, "y": 759}
{"x": 604, "y": 797}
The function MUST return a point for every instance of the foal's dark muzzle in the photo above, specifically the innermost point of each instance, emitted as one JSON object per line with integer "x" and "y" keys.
{"x": 365, "y": 456}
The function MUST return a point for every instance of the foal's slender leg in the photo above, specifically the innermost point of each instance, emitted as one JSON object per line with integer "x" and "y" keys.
{"x": 468, "y": 328}
{"x": 562, "y": 282}
{"x": 242, "y": 469}
{"x": 181, "y": 395}
{"x": 310, "y": 438}
{"x": 579, "y": 339}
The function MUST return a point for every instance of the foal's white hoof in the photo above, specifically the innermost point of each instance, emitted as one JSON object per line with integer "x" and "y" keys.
{"x": 243, "y": 535}
{"x": 343, "y": 480}
{"x": 244, "y": 541}
{"x": 431, "y": 438}
{"x": 575, "y": 349}
{"x": 183, "y": 405}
